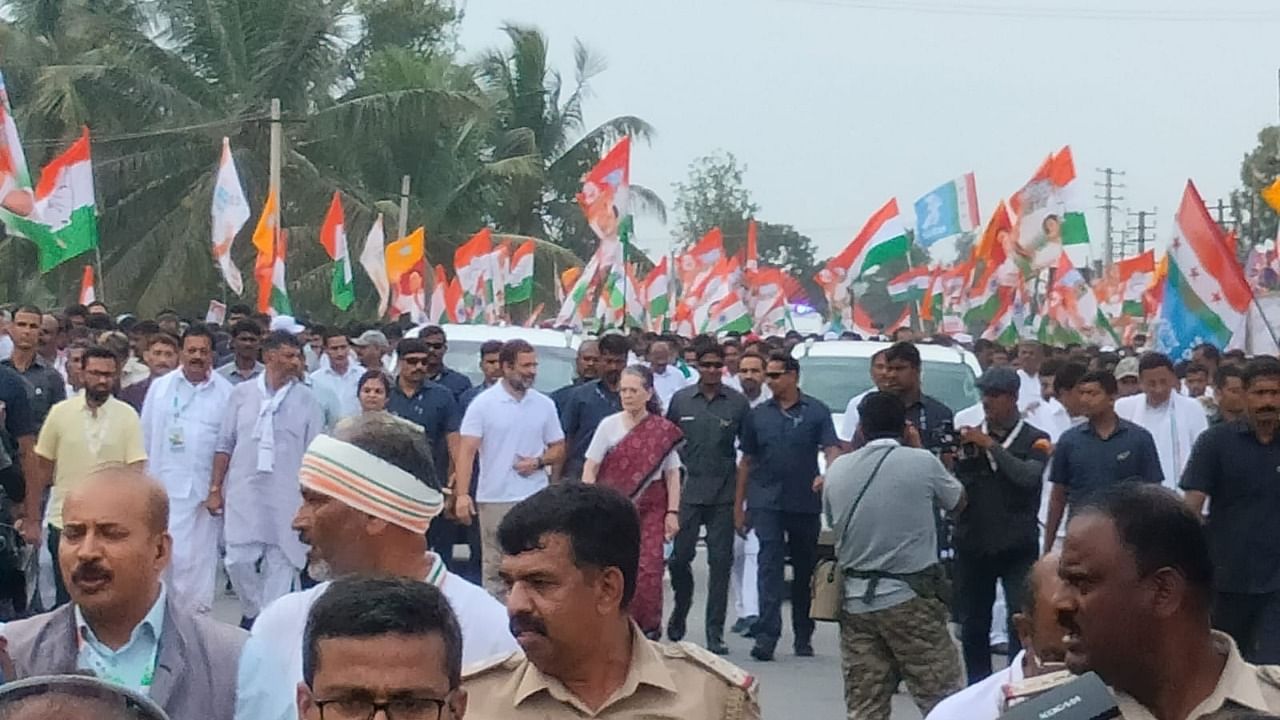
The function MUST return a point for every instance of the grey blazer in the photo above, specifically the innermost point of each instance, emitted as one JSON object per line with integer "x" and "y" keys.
{"x": 196, "y": 669}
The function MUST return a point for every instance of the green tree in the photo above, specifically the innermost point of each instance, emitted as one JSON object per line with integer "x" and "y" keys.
{"x": 716, "y": 195}
{"x": 538, "y": 114}
{"x": 1259, "y": 169}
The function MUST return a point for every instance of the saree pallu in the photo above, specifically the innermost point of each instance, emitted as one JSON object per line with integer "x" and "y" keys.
{"x": 629, "y": 467}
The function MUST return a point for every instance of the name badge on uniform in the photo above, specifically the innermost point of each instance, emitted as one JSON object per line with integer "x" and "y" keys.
{"x": 1123, "y": 456}
{"x": 687, "y": 418}
{"x": 176, "y": 439}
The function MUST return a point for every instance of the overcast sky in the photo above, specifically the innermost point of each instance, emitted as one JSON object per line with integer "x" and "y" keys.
{"x": 837, "y": 105}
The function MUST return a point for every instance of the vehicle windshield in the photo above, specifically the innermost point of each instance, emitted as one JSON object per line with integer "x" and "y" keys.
{"x": 555, "y": 365}
{"x": 836, "y": 380}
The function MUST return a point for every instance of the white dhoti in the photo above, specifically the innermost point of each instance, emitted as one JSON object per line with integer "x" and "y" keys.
{"x": 258, "y": 585}
{"x": 746, "y": 594}
{"x": 192, "y": 573}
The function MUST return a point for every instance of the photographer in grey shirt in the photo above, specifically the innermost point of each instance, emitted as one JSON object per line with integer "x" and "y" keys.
{"x": 880, "y": 501}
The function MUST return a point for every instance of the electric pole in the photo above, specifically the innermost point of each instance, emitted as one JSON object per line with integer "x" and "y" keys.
{"x": 1144, "y": 230}
{"x": 1109, "y": 199}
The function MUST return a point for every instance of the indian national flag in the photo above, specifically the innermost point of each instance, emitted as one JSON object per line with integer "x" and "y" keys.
{"x": 87, "y": 292}
{"x": 910, "y": 285}
{"x": 575, "y": 307}
{"x": 333, "y": 235}
{"x": 16, "y": 196}
{"x": 269, "y": 242}
{"x": 1136, "y": 275}
{"x": 63, "y": 222}
{"x": 519, "y": 279}
{"x": 471, "y": 264}
{"x": 280, "y": 304}
{"x": 730, "y": 315}
{"x": 455, "y": 302}
{"x": 884, "y": 238}
{"x": 439, "y": 310}
{"x": 657, "y": 293}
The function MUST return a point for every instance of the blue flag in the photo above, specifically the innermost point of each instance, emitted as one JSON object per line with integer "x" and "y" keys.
{"x": 947, "y": 211}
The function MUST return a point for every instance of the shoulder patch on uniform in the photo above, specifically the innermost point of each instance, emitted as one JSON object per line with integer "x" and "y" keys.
{"x": 1269, "y": 674}
{"x": 730, "y": 673}
{"x": 497, "y": 662}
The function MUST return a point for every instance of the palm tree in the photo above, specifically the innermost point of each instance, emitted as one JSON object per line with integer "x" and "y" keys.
{"x": 535, "y": 117}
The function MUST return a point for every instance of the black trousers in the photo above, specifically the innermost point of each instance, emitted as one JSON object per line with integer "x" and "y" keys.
{"x": 976, "y": 578}
{"x": 1253, "y": 621}
{"x": 718, "y": 519}
{"x": 780, "y": 534}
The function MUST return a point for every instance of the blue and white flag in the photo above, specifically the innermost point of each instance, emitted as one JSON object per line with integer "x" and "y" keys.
{"x": 951, "y": 209}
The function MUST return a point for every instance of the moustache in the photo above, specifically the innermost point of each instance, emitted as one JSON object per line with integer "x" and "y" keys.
{"x": 90, "y": 572}
{"x": 526, "y": 623}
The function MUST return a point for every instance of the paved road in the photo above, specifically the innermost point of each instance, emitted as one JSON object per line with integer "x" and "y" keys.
{"x": 790, "y": 687}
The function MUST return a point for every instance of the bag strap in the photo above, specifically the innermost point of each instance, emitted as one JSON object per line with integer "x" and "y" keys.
{"x": 848, "y": 519}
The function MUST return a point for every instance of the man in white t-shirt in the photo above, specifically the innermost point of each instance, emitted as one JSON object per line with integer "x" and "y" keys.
{"x": 516, "y": 431}
{"x": 338, "y": 374}
{"x": 369, "y": 494}
{"x": 667, "y": 378}
{"x": 1030, "y": 357}
{"x": 879, "y": 370}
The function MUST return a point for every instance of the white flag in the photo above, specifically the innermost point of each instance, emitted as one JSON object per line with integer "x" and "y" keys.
{"x": 230, "y": 213}
{"x": 374, "y": 261}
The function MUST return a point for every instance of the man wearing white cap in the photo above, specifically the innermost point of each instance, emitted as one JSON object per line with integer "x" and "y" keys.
{"x": 369, "y": 494}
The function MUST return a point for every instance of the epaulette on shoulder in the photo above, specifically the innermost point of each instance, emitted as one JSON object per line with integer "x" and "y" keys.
{"x": 510, "y": 661}
{"x": 718, "y": 666}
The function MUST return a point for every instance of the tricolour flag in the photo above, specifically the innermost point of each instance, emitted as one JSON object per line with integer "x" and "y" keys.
{"x": 455, "y": 301}
{"x": 406, "y": 272}
{"x": 333, "y": 236}
{"x": 730, "y": 315}
{"x": 519, "y": 280}
{"x": 1077, "y": 306}
{"x": 373, "y": 260}
{"x": 1135, "y": 276}
{"x": 605, "y": 198}
{"x": 575, "y": 307}
{"x": 1206, "y": 298}
{"x": 87, "y": 292}
{"x": 949, "y": 210}
{"x": 702, "y": 256}
{"x": 657, "y": 292}
{"x": 280, "y": 304}
{"x": 230, "y": 213}
{"x": 910, "y": 285}
{"x": 883, "y": 239}
{"x": 438, "y": 314}
{"x": 266, "y": 239}
{"x": 1050, "y": 213}
{"x": 63, "y": 222}
{"x": 16, "y": 197}
{"x": 471, "y": 265}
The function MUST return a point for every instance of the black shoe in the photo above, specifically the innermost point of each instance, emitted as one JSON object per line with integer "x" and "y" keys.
{"x": 717, "y": 646}
{"x": 804, "y": 649}
{"x": 762, "y": 654}
{"x": 675, "y": 628}
{"x": 751, "y": 629}
{"x": 741, "y": 625}
{"x": 246, "y": 623}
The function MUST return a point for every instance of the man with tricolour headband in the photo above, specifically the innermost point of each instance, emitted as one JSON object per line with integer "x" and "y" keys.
{"x": 369, "y": 493}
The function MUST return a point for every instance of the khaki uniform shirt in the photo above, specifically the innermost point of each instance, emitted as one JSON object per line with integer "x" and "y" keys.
{"x": 680, "y": 681}
{"x": 1241, "y": 687}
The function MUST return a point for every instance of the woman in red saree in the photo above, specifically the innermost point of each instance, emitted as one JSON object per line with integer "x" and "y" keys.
{"x": 634, "y": 452}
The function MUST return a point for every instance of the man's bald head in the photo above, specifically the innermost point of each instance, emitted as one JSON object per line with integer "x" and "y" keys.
{"x": 151, "y": 497}
{"x": 46, "y": 707}
{"x": 74, "y": 697}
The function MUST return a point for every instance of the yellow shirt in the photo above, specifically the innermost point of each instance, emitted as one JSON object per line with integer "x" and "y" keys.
{"x": 664, "y": 682}
{"x": 77, "y": 439}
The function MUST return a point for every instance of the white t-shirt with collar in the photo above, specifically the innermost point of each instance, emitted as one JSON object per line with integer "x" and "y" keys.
{"x": 982, "y": 700}
{"x": 510, "y": 428}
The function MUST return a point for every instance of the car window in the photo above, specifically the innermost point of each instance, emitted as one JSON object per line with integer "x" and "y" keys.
{"x": 555, "y": 365}
{"x": 836, "y": 380}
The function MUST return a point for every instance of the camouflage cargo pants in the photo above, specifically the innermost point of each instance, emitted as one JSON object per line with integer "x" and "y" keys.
{"x": 907, "y": 642}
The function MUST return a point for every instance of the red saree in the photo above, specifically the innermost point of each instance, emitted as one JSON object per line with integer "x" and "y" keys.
{"x": 628, "y": 468}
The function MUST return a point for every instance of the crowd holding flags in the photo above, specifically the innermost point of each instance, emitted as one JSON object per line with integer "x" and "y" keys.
{"x": 1017, "y": 280}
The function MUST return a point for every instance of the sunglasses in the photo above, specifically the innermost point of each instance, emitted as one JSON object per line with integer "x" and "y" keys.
{"x": 415, "y": 361}
{"x": 711, "y": 365}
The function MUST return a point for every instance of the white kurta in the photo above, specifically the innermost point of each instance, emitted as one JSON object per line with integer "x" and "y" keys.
{"x": 180, "y": 424}
{"x": 983, "y": 700}
{"x": 1174, "y": 426}
{"x": 1029, "y": 390}
{"x": 484, "y": 623}
{"x": 260, "y": 506}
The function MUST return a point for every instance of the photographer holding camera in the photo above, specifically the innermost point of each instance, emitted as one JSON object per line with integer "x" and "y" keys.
{"x": 1000, "y": 463}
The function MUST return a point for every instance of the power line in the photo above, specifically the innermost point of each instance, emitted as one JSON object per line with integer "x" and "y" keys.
{"x": 102, "y": 139}
{"x": 1046, "y": 13}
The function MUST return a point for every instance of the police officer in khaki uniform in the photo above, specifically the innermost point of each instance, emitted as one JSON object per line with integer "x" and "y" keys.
{"x": 1136, "y": 591}
{"x": 570, "y": 560}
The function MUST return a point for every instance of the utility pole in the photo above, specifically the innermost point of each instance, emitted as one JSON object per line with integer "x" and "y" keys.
{"x": 1109, "y": 199}
{"x": 1145, "y": 228}
{"x": 403, "y": 225}
{"x": 1221, "y": 210}
{"x": 277, "y": 137}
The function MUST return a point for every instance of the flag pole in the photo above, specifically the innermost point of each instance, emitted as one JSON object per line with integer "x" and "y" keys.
{"x": 101, "y": 288}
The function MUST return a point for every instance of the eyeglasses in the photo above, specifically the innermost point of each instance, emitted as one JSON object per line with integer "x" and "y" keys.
{"x": 416, "y": 361}
{"x": 412, "y": 708}
{"x": 711, "y": 365}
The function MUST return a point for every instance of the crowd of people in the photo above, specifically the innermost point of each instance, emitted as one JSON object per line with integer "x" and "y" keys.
{"x": 1104, "y": 510}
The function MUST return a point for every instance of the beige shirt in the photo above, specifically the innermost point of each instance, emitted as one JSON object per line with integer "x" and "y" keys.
{"x": 678, "y": 681}
{"x": 76, "y": 439}
{"x": 1242, "y": 686}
